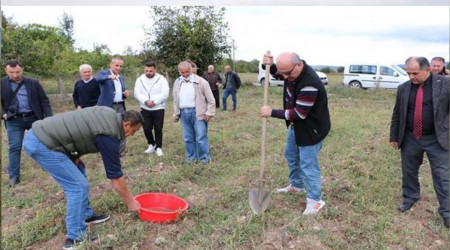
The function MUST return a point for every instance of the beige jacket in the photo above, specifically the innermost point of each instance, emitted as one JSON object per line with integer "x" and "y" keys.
{"x": 204, "y": 99}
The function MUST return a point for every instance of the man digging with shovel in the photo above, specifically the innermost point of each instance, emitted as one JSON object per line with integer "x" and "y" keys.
{"x": 305, "y": 110}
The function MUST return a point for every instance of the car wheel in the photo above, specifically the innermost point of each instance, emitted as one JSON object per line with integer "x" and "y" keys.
{"x": 355, "y": 85}
{"x": 262, "y": 81}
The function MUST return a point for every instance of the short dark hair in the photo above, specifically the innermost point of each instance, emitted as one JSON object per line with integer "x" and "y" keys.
{"x": 150, "y": 64}
{"x": 423, "y": 62}
{"x": 133, "y": 116}
{"x": 13, "y": 63}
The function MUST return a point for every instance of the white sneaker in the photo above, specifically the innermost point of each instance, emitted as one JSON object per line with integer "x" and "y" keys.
{"x": 313, "y": 206}
{"x": 159, "y": 152}
{"x": 289, "y": 189}
{"x": 150, "y": 149}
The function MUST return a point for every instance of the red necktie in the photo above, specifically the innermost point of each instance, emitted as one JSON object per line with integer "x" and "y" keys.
{"x": 417, "y": 129}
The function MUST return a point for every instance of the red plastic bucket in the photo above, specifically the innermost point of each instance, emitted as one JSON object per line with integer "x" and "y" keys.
{"x": 160, "y": 207}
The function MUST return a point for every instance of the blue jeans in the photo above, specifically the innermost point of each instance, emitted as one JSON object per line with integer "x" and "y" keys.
{"x": 226, "y": 93}
{"x": 72, "y": 180}
{"x": 304, "y": 166}
{"x": 16, "y": 130}
{"x": 195, "y": 135}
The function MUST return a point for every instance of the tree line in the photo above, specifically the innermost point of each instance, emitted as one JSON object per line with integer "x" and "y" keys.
{"x": 198, "y": 33}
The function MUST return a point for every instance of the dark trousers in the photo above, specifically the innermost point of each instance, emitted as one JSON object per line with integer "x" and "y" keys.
{"x": 216, "y": 97}
{"x": 153, "y": 120}
{"x": 412, "y": 151}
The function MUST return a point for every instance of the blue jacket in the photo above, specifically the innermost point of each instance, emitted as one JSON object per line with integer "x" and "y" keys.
{"x": 37, "y": 98}
{"x": 107, "y": 89}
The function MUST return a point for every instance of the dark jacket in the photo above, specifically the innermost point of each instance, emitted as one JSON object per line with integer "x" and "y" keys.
{"x": 316, "y": 126}
{"x": 235, "y": 80}
{"x": 212, "y": 79}
{"x": 37, "y": 98}
{"x": 107, "y": 88}
{"x": 440, "y": 97}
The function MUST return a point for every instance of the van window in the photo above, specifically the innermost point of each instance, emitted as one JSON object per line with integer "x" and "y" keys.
{"x": 386, "y": 71}
{"x": 400, "y": 70}
{"x": 363, "y": 69}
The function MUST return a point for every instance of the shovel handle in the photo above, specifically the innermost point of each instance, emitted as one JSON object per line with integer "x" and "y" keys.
{"x": 264, "y": 129}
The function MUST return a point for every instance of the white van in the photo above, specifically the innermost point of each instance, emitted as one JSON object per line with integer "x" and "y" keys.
{"x": 374, "y": 76}
{"x": 275, "y": 82}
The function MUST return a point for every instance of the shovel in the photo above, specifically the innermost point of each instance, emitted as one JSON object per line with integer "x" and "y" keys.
{"x": 259, "y": 198}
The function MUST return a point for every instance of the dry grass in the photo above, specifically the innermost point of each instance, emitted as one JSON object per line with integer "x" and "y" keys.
{"x": 361, "y": 186}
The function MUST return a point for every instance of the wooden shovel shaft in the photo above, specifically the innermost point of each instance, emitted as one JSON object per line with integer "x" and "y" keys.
{"x": 263, "y": 136}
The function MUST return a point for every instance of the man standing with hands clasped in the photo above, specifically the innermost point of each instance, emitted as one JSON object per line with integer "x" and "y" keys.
{"x": 151, "y": 90}
{"x": 214, "y": 80}
{"x": 305, "y": 111}
{"x": 193, "y": 103}
{"x": 420, "y": 124}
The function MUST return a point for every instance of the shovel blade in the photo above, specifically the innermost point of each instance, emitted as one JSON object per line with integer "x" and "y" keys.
{"x": 255, "y": 204}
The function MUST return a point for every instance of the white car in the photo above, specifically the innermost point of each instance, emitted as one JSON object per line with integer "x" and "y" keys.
{"x": 374, "y": 76}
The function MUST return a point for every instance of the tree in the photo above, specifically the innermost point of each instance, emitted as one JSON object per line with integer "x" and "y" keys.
{"x": 66, "y": 25}
{"x": 38, "y": 47}
{"x": 198, "y": 33}
{"x": 340, "y": 69}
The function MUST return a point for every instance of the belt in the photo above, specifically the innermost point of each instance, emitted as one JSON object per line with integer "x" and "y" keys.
{"x": 187, "y": 108}
{"x": 28, "y": 114}
{"x": 117, "y": 102}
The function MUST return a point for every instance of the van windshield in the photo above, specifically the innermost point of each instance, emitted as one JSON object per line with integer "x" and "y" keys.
{"x": 400, "y": 70}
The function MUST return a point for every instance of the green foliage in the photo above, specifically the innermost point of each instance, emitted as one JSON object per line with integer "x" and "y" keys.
{"x": 340, "y": 69}
{"x": 66, "y": 25}
{"x": 39, "y": 48}
{"x": 48, "y": 51}
{"x": 197, "y": 33}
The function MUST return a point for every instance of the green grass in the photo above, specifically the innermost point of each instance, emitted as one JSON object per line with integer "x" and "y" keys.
{"x": 361, "y": 186}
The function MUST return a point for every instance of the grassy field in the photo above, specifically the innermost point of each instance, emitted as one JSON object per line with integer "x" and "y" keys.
{"x": 361, "y": 187}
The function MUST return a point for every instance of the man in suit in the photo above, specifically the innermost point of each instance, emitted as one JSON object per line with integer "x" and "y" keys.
{"x": 23, "y": 102}
{"x": 112, "y": 90}
{"x": 112, "y": 86}
{"x": 420, "y": 124}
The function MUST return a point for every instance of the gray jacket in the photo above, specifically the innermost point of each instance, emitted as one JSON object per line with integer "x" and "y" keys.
{"x": 73, "y": 133}
{"x": 440, "y": 96}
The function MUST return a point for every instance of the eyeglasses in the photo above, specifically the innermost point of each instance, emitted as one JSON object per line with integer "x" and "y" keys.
{"x": 289, "y": 72}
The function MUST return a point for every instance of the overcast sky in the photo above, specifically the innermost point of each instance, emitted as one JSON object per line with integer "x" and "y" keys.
{"x": 325, "y": 35}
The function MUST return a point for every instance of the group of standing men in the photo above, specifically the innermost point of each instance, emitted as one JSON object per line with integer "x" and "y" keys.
{"x": 100, "y": 123}
{"x": 419, "y": 124}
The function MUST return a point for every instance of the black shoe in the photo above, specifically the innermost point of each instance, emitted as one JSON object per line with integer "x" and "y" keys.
{"x": 446, "y": 222}
{"x": 405, "y": 206}
{"x": 14, "y": 181}
{"x": 97, "y": 218}
{"x": 70, "y": 244}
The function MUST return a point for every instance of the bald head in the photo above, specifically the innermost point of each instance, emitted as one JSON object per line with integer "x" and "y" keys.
{"x": 289, "y": 65}
{"x": 210, "y": 68}
{"x": 418, "y": 69}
